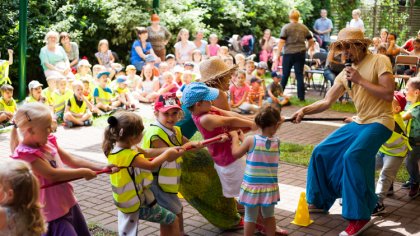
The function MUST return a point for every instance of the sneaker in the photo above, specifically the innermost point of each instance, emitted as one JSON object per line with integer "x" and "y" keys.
{"x": 356, "y": 227}
{"x": 69, "y": 124}
{"x": 390, "y": 190}
{"x": 87, "y": 123}
{"x": 379, "y": 209}
{"x": 406, "y": 185}
{"x": 414, "y": 190}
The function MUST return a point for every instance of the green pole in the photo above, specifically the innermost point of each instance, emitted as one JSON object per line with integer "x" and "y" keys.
{"x": 156, "y": 6}
{"x": 23, "y": 18}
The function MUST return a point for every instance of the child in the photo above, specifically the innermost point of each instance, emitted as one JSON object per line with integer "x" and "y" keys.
{"x": 151, "y": 60}
{"x": 391, "y": 154}
{"x": 256, "y": 94}
{"x": 105, "y": 57}
{"x": 149, "y": 85}
{"x": 260, "y": 74}
{"x": 178, "y": 71}
{"x": 169, "y": 86}
{"x": 83, "y": 71}
{"x": 197, "y": 57}
{"x": 189, "y": 66}
{"x": 52, "y": 86}
{"x": 87, "y": 93}
{"x": 249, "y": 67}
{"x": 259, "y": 188}
{"x": 163, "y": 133}
{"x": 211, "y": 122}
{"x": 130, "y": 186}
{"x": 277, "y": 61}
{"x": 122, "y": 94}
{"x": 35, "y": 93}
{"x": 4, "y": 68}
{"x": 59, "y": 97}
{"x": 223, "y": 52}
{"x": 95, "y": 71}
{"x": 228, "y": 60}
{"x": 170, "y": 59}
{"x": 7, "y": 105}
{"x": 413, "y": 132}
{"x": 213, "y": 48}
{"x": 239, "y": 94}
{"x": 39, "y": 148}
{"x": 132, "y": 78}
{"x": 103, "y": 94}
{"x": 20, "y": 211}
{"x": 240, "y": 61}
{"x": 275, "y": 91}
{"x": 77, "y": 112}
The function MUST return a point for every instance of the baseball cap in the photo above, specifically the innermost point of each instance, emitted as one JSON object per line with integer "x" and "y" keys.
{"x": 84, "y": 62}
{"x": 196, "y": 92}
{"x": 262, "y": 65}
{"x": 102, "y": 73}
{"x": 255, "y": 80}
{"x": 169, "y": 56}
{"x": 34, "y": 84}
{"x": 130, "y": 67}
{"x": 402, "y": 101}
{"x": 150, "y": 58}
{"x": 274, "y": 74}
{"x": 166, "y": 102}
{"x": 121, "y": 79}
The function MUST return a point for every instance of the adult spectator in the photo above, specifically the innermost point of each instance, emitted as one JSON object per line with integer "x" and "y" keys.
{"x": 54, "y": 60}
{"x": 384, "y": 35}
{"x": 323, "y": 27}
{"x": 158, "y": 36}
{"x": 343, "y": 165}
{"x": 293, "y": 36}
{"x": 357, "y": 22}
{"x": 267, "y": 44}
{"x": 183, "y": 47}
{"x": 200, "y": 43}
{"x": 409, "y": 45}
{"x": 71, "y": 49}
{"x": 141, "y": 48}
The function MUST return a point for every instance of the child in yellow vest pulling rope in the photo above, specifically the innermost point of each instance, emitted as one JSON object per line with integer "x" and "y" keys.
{"x": 7, "y": 105}
{"x": 130, "y": 186}
{"x": 77, "y": 108}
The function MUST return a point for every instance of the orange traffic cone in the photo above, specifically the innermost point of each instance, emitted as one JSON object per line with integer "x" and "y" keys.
{"x": 302, "y": 212}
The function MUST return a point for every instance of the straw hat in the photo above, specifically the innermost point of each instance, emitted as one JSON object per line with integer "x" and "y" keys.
{"x": 214, "y": 68}
{"x": 350, "y": 35}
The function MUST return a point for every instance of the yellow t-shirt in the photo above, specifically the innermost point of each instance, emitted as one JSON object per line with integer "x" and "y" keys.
{"x": 370, "y": 109}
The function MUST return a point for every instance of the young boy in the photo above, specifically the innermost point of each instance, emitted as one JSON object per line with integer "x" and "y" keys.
{"x": 275, "y": 91}
{"x": 102, "y": 93}
{"x": 59, "y": 98}
{"x": 7, "y": 104}
{"x": 256, "y": 93}
{"x": 121, "y": 94}
{"x": 52, "y": 86}
{"x": 77, "y": 112}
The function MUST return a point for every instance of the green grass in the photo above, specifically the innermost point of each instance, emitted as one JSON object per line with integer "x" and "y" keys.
{"x": 347, "y": 107}
{"x": 300, "y": 154}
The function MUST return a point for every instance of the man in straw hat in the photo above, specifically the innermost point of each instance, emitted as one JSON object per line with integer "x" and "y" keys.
{"x": 343, "y": 165}
{"x": 293, "y": 37}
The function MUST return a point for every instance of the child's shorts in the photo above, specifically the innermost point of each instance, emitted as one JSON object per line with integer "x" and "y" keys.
{"x": 231, "y": 177}
{"x": 251, "y": 213}
{"x": 157, "y": 214}
{"x": 169, "y": 201}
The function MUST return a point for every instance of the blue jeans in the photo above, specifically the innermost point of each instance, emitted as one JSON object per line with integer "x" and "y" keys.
{"x": 329, "y": 75}
{"x": 343, "y": 165}
{"x": 296, "y": 60}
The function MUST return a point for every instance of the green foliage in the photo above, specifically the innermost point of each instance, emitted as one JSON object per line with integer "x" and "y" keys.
{"x": 343, "y": 10}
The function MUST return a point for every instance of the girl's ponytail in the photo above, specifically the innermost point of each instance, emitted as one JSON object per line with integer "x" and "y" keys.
{"x": 110, "y": 136}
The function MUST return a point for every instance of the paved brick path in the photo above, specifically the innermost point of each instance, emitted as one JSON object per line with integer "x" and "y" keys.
{"x": 96, "y": 200}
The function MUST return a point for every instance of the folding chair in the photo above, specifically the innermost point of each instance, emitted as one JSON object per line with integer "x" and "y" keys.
{"x": 404, "y": 60}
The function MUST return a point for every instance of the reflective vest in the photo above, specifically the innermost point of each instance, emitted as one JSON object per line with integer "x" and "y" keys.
{"x": 11, "y": 107}
{"x": 103, "y": 97}
{"x": 397, "y": 145}
{"x": 30, "y": 99}
{"x": 169, "y": 173}
{"x": 47, "y": 93}
{"x": 59, "y": 100}
{"x": 128, "y": 184}
{"x": 75, "y": 109}
{"x": 410, "y": 120}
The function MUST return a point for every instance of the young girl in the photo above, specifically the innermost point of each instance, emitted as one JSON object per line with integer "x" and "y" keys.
{"x": 148, "y": 86}
{"x": 213, "y": 47}
{"x": 239, "y": 93}
{"x": 35, "y": 93}
{"x": 20, "y": 211}
{"x": 240, "y": 61}
{"x": 163, "y": 133}
{"x": 83, "y": 71}
{"x": 105, "y": 57}
{"x": 259, "y": 188}
{"x": 196, "y": 59}
{"x": 413, "y": 132}
{"x": 39, "y": 148}
{"x": 131, "y": 185}
{"x": 169, "y": 85}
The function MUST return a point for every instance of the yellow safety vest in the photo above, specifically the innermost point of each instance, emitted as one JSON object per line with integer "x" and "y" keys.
{"x": 75, "y": 108}
{"x": 11, "y": 107}
{"x": 30, "y": 99}
{"x": 128, "y": 184}
{"x": 103, "y": 97}
{"x": 169, "y": 173}
{"x": 410, "y": 120}
{"x": 397, "y": 145}
{"x": 47, "y": 93}
{"x": 59, "y": 100}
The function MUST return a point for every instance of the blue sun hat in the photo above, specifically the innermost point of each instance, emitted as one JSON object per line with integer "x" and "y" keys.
{"x": 99, "y": 75}
{"x": 196, "y": 92}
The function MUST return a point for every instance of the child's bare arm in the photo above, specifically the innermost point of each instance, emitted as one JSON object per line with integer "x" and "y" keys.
{"x": 210, "y": 122}
{"x": 159, "y": 143}
{"x": 14, "y": 139}
{"x": 152, "y": 152}
{"x": 238, "y": 150}
{"x": 407, "y": 116}
{"x": 10, "y": 51}
{"x": 170, "y": 154}
{"x": 76, "y": 162}
{"x": 229, "y": 113}
{"x": 44, "y": 169}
